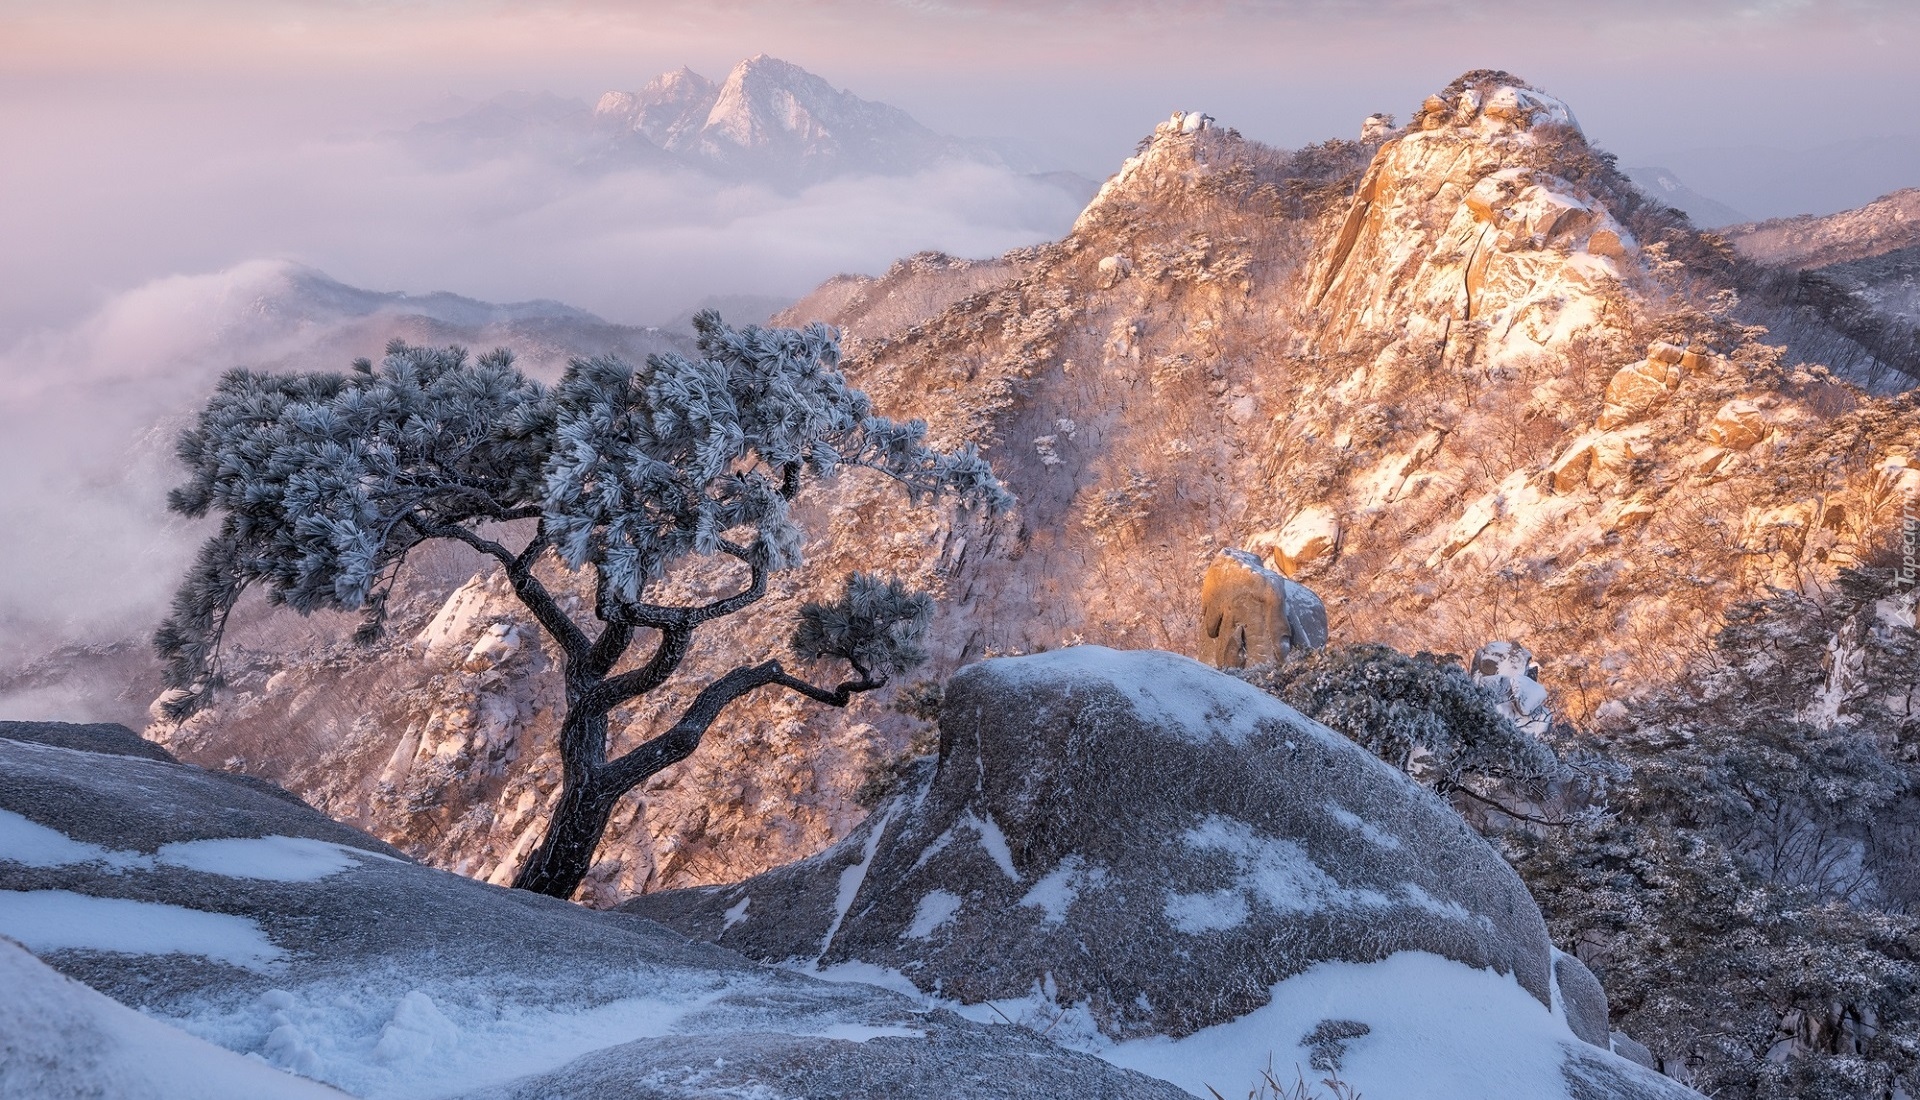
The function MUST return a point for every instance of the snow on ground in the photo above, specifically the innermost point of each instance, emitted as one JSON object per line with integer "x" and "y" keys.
{"x": 1163, "y": 688}
{"x": 418, "y": 1045}
{"x": 269, "y": 858}
{"x": 34, "y": 845}
{"x": 60, "y": 920}
{"x": 455, "y": 1040}
{"x": 1436, "y": 1029}
{"x": 935, "y": 909}
{"x": 1056, "y": 892}
{"x": 392, "y": 1034}
{"x": 60, "y": 1040}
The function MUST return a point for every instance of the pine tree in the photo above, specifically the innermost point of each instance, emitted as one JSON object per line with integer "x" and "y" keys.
{"x": 325, "y": 482}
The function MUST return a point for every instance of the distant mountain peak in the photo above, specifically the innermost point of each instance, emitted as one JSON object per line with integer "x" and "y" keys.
{"x": 773, "y": 119}
{"x": 769, "y": 121}
{"x": 1664, "y": 185}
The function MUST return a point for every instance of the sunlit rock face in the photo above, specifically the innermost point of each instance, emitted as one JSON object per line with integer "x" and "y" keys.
{"x": 1462, "y": 241}
{"x": 1416, "y": 374}
{"x": 1251, "y": 615}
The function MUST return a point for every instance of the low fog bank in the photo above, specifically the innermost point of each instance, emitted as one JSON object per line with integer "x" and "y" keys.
{"x": 99, "y": 214}
{"x": 107, "y": 349}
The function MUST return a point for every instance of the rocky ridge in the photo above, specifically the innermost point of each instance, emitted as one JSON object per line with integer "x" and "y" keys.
{"x": 1888, "y": 223}
{"x": 1496, "y": 392}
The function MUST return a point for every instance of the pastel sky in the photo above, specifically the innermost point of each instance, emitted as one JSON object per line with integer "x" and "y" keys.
{"x": 127, "y": 121}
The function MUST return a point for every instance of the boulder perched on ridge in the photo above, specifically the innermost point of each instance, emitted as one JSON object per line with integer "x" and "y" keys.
{"x": 1251, "y": 615}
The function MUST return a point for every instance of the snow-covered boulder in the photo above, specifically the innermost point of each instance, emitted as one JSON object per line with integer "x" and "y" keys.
{"x": 1251, "y": 615}
{"x": 1583, "y": 1000}
{"x": 1312, "y": 535}
{"x": 1636, "y": 389}
{"x": 1508, "y": 672}
{"x": 1737, "y": 425}
{"x": 497, "y": 645}
{"x": 1144, "y": 858}
{"x": 232, "y": 914}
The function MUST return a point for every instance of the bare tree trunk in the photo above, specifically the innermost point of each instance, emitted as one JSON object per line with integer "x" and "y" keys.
{"x": 591, "y": 785}
{"x": 565, "y": 854}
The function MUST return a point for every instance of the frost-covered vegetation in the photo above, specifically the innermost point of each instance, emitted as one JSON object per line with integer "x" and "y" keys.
{"x": 1749, "y": 894}
{"x": 327, "y": 482}
{"x": 1737, "y": 855}
{"x": 1420, "y": 713}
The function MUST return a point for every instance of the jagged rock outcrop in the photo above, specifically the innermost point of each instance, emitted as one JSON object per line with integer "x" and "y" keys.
{"x": 1163, "y": 848}
{"x": 1461, "y": 240}
{"x": 1202, "y": 400}
{"x": 1251, "y": 615}
{"x": 251, "y": 921}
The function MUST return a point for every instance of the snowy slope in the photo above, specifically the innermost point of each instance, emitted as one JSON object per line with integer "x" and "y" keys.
{"x": 60, "y": 1040}
{"x": 241, "y": 916}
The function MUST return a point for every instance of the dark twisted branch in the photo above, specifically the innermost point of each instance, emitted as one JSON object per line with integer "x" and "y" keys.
{"x": 680, "y": 740}
{"x": 519, "y": 568}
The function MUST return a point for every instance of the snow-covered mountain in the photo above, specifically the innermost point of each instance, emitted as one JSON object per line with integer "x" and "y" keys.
{"x": 1887, "y": 224}
{"x": 1663, "y": 184}
{"x": 773, "y": 120}
{"x": 1858, "y": 270}
{"x": 768, "y": 121}
{"x": 1451, "y": 376}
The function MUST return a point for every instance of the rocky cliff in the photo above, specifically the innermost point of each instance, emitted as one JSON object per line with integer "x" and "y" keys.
{"x": 1462, "y": 378}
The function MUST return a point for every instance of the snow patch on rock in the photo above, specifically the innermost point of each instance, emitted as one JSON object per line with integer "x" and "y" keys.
{"x": 60, "y": 920}
{"x": 62, "y": 1039}
{"x": 1176, "y": 694}
{"x": 934, "y": 910}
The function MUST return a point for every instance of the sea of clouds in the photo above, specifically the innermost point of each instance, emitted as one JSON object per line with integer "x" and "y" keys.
{"x": 160, "y": 281}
